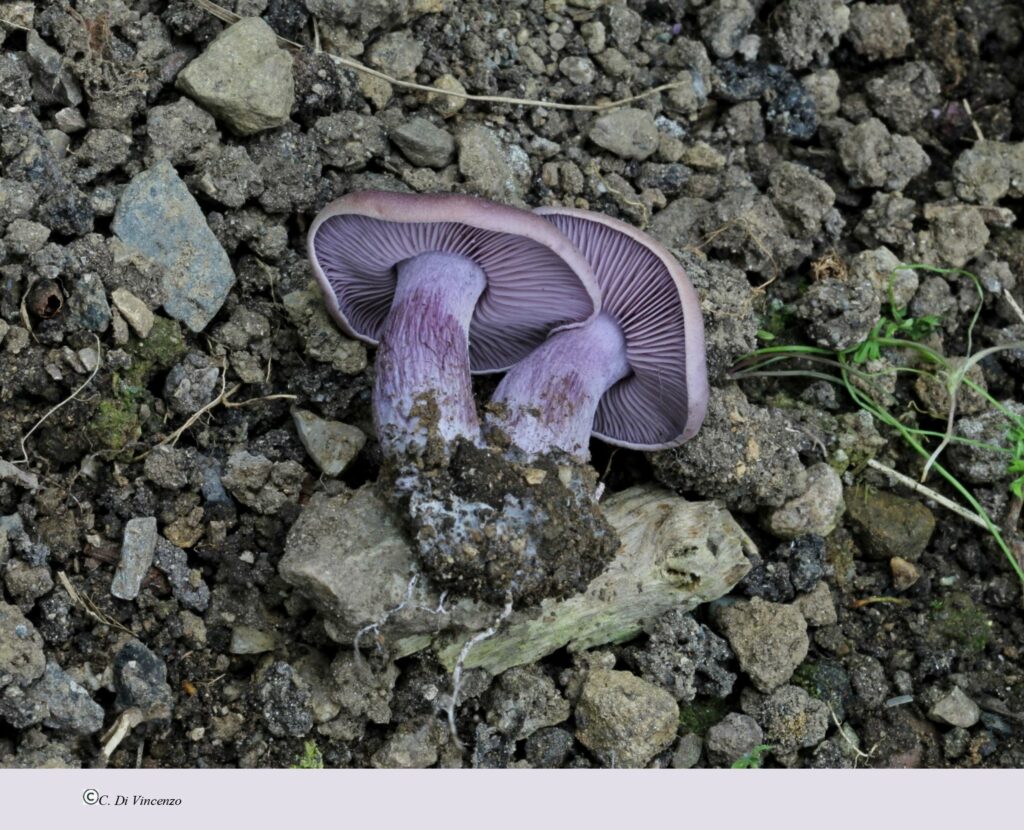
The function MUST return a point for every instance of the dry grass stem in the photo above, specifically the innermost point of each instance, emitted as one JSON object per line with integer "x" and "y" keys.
{"x": 88, "y": 606}
{"x": 927, "y": 492}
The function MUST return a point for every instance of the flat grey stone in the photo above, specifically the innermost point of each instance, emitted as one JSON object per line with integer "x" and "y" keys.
{"x": 137, "y": 551}
{"x": 424, "y": 144}
{"x": 158, "y": 217}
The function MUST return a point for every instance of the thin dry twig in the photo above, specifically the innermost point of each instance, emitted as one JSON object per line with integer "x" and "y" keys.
{"x": 99, "y": 362}
{"x": 927, "y": 492}
{"x": 230, "y": 17}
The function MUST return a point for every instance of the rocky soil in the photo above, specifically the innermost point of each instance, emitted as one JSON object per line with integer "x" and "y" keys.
{"x": 186, "y": 441}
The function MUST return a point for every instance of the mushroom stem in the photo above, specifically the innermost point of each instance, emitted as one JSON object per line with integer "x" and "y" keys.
{"x": 423, "y": 389}
{"x": 548, "y": 400}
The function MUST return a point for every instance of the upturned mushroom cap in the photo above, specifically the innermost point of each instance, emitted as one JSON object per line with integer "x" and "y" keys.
{"x": 537, "y": 282}
{"x": 662, "y": 403}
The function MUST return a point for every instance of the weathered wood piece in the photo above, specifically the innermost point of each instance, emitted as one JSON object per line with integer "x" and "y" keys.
{"x": 675, "y": 554}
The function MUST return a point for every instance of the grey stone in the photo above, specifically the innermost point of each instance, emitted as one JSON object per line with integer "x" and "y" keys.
{"x": 192, "y": 383}
{"x": 817, "y": 510}
{"x": 53, "y": 81}
{"x": 87, "y": 302}
{"x": 331, "y": 444}
{"x": 187, "y": 586}
{"x": 15, "y": 475}
{"x": 840, "y": 313}
{"x": 793, "y": 719}
{"x": 817, "y": 606}
{"x": 876, "y": 158}
{"x": 801, "y": 197}
{"x": 25, "y": 237}
{"x": 424, "y": 144}
{"x": 770, "y": 640}
{"x": 248, "y": 640}
{"x": 980, "y": 464}
{"x": 744, "y": 454}
{"x": 628, "y": 133}
{"x": 989, "y": 170}
{"x": 624, "y": 720}
{"x": 905, "y": 94}
{"x": 157, "y": 216}
{"x": 723, "y": 23}
{"x": 413, "y": 745}
{"x": 491, "y": 167}
{"x": 134, "y": 311}
{"x": 351, "y": 558}
{"x": 137, "y": 550}
{"x": 579, "y": 70}
{"x": 879, "y": 31}
{"x": 69, "y": 120}
{"x": 808, "y": 30}
{"x": 26, "y": 582}
{"x": 230, "y": 176}
{"x": 549, "y": 748}
{"x": 687, "y": 751}
{"x": 396, "y": 53}
{"x": 955, "y": 709}
{"x": 181, "y": 132}
{"x": 525, "y": 699}
{"x": 321, "y": 337}
{"x": 731, "y": 738}
{"x": 243, "y": 77}
{"x": 283, "y": 698}
{"x": 261, "y": 484}
{"x": 21, "y": 648}
{"x": 56, "y": 701}
{"x": 140, "y": 680}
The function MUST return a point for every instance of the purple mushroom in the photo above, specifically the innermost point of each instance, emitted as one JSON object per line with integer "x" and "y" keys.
{"x": 635, "y": 375}
{"x": 443, "y": 283}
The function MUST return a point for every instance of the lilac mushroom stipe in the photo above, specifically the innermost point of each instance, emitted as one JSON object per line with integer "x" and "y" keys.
{"x": 635, "y": 376}
{"x": 444, "y": 284}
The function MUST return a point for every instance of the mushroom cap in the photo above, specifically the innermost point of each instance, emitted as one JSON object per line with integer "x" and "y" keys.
{"x": 537, "y": 282}
{"x": 662, "y": 403}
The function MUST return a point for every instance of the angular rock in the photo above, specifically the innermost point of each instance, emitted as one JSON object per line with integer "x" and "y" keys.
{"x": 424, "y": 144}
{"x": 21, "y": 648}
{"x": 623, "y": 720}
{"x": 137, "y": 550}
{"x": 731, "y": 738}
{"x": 139, "y": 317}
{"x": 140, "y": 679}
{"x": 492, "y": 167}
{"x": 244, "y": 78}
{"x": 350, "y": 558}
{"x": 770, "y": 640}
{"x": 56, "y": 701}
{"x": 817, "y": 510}
{"x": 628, "y": 133}
{"x": 956, "y": 709}
{"x": 331, "y": 444}
{"x": 158, "y": 217}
